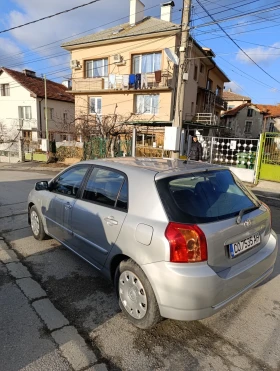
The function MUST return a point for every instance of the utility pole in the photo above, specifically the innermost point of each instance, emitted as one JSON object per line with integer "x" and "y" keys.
{"x": 183, "y": 64}
{"x": 46, "y": 115}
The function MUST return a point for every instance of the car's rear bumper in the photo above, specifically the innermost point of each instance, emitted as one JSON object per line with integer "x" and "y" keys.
{"x": 192, "y": 292}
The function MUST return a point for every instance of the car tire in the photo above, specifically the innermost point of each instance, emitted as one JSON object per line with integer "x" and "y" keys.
{"x": 37, "y": 225}
{"x": 136, "y": 296}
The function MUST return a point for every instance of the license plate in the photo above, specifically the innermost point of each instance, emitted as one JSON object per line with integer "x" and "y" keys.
{"x": 240, "y": 247}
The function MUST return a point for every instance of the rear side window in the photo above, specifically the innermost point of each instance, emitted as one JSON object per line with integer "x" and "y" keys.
{"x": 204, "y": 197}
{"x": 104, "y": 187}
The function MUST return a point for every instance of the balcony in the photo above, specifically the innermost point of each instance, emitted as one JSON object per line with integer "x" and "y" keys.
{"x": 120, "y": 83}
{"x": 206, "y": 119}
{"x": 208, "y": 100}
{"x": 220, "y": 102}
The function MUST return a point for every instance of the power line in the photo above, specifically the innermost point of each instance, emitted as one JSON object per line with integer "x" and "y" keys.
{"x": 235, "y": 43}
{"x": 50, "y": 16}
{"x": 232, "y": 17}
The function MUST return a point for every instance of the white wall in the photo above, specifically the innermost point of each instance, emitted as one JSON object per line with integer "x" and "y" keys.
{"x": 9, "y": 115}
{"x": 238, "y": 123}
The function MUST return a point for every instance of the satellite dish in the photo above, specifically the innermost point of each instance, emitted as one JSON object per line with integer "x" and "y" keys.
{"x": 171, "y": 56}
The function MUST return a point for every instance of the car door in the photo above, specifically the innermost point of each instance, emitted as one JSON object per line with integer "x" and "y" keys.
{"x": 98, "y": 216}
{"x": 65, "y": 189}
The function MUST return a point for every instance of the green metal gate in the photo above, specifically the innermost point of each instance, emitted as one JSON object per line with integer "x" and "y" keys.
{"x": 270, "y": 157}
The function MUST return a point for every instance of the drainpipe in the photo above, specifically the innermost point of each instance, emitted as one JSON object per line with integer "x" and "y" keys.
{"x": 40, "y": 117}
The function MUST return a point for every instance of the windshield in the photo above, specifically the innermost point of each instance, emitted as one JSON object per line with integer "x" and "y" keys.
{"x": 204, "y": 197}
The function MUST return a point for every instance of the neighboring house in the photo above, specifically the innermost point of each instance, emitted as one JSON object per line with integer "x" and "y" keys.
{"x": 22, "y": 108}
{"x": 249, "y": 120}
{"x": 234, "y": 100}
{"x": 271, "y": 116}
{"x": 106, "y": 64}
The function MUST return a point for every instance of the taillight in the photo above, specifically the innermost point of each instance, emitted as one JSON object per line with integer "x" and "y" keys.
{"x": 269, "y": 212}
{"x": 187, "y": 243}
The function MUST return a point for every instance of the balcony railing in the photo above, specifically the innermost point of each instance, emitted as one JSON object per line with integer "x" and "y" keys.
{"x": 206, "y": 118}
{"x": 220, "y": 102}
{"x": 121, "y": 82}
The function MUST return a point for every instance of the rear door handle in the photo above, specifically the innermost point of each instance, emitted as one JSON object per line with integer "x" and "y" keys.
{"x": 111, "y": 221}
{"x": 68, "y": 206}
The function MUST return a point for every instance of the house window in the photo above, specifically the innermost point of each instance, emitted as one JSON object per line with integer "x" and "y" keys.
{"x": 195, "y": 73}
{"x": 209, "y": 84}
{"x": 201, "y": 68}
{"x": 146, "y": 63}
{"x": 24, "y": 112}
{"x": 97, "y": 68}
{"x": 248, "y": 127}
{"x": 50, "y": 113}
{"x": 250, "y": 112}
{"x": 65, "y": 117}
{"x": 27, "y": 135}
{"x": 218, "y": 91}
{"x": 5, "y": 90}
{"x": 147, "y": 104}
{"x": 230, "y": 107}
{"x": 95, "y": 105}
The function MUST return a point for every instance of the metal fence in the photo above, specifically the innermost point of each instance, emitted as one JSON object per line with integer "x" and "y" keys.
{"x": 102, "y": 148}
{"x": 239, "y": 152}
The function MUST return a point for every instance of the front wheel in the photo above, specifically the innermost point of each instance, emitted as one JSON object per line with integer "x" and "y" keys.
{"x": 37, "y": 225}
{"x": 136, "y": 296}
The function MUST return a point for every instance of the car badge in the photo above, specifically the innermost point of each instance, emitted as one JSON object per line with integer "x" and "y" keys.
{"x": 248, "y": 223}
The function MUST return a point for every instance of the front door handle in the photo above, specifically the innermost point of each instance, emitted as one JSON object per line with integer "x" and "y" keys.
{"x": 110, "y": 220}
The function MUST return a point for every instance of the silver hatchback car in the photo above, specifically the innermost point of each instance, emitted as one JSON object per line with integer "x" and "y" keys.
{"x": 179, "y": 240}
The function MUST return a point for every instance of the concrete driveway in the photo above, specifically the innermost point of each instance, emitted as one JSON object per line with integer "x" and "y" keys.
{"x": 244, "y": 336}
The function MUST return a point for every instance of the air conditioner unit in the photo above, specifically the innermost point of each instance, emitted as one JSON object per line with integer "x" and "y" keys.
{"x": 118, "y": 58}
{"x": 75, "y": 64}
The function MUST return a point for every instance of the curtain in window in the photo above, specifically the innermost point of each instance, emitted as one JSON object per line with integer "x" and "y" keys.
{"x": 147, "y": 104}
{"x": 89, "y": 69}
{"x": 155, "y": 104}
{"x": 136, "y": 63}
{"x": 98, "y": 68}
{"x": 95, "y": 105}
{"x": 140, "y": 103}
{"x": 147, "y": 63}
{"x": 157, "y": 62}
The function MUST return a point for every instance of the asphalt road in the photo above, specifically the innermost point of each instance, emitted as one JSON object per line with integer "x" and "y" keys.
{"x": 243, "y": 336}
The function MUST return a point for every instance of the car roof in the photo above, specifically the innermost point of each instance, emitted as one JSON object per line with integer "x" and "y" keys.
{"x": 156, "y": 165}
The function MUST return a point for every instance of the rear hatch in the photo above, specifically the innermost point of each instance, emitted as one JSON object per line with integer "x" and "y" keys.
{"x": 235, "y": 223}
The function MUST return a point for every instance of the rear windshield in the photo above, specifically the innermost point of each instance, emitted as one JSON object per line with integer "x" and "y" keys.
{"x": 204, "y": 197}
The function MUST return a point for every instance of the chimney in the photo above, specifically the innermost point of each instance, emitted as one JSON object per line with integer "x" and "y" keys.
{"x": 229, "y": 90}
{"x": 166, "y": 10}
{"x": 136, "y": 12}
{"x": 29, "y": 73}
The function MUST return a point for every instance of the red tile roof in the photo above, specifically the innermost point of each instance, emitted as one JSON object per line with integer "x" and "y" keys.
{"x": 269, "y": 110}
{"x": 229, "y": 95}
{"x": 36, "y": 86}
{"x": 234, "y": 111}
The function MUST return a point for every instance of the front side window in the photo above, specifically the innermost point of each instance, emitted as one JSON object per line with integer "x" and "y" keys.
{"x": 95, "y": 105}
{"x": 5, "y": 90}
{"x": 106, "y": 187}
{"x": 147, "y": 104}
{"x": 146, "y": 63}
{"x": 70, "y": 181}
{"x": 204, "y": 197}
{"x": 248, "y": 127}
{"x": 25, "y": 112}
{"x": 97, "y": 68}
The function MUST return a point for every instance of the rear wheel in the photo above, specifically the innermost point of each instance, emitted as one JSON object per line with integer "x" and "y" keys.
{"x": 37, "y": 225}
{"x": 136, "y": 297}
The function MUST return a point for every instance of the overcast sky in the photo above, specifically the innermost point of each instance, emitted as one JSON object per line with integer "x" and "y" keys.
{"x": 258, "y": 35}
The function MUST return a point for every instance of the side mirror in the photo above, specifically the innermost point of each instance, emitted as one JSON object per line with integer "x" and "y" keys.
{"x": 42, "y": 186}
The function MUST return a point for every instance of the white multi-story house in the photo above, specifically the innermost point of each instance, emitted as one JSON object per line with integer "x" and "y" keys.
{"x": 22, "y": 109}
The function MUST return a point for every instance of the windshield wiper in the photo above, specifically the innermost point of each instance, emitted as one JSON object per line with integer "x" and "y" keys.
{"x": 244, "y": 211}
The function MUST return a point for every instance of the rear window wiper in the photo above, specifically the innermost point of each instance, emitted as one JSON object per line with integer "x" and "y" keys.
{"x": 244, "y": 211}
